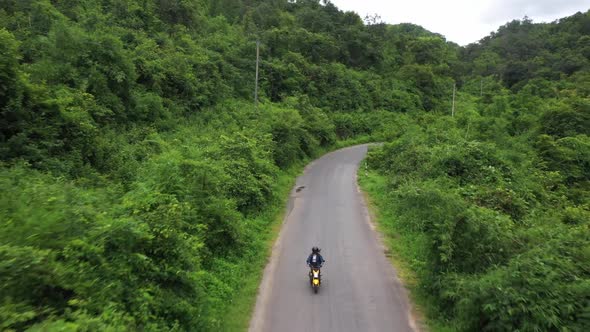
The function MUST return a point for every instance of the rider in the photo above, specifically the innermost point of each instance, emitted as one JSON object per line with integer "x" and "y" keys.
{"x": 315, "y": 259}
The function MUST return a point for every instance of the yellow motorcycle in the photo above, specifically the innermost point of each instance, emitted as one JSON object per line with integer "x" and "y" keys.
{"x": 315, "y": 279}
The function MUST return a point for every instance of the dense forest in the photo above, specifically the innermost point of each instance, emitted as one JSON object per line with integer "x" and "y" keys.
{"x": 490, "y": 208}
{"x": 140, "y": 183}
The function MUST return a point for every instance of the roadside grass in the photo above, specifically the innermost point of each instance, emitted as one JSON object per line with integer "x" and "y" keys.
{"x": 353, "y": 141}
{"x": 404, "y": 250}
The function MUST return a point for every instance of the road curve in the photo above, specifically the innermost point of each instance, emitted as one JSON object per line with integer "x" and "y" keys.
{"x": 360, "y": 289}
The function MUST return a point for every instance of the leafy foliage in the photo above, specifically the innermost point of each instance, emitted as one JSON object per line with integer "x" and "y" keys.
{"x": 493, "y": 204}
{"x": 138, "y": 180}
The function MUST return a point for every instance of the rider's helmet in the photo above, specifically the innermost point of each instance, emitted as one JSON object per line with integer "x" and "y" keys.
{"x": 315, "y": 250}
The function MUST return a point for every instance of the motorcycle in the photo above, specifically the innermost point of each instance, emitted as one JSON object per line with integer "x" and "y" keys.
{"x": 315, "y": 279}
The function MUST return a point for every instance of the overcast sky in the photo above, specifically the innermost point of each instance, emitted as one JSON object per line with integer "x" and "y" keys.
{"x": 463, "y": 21}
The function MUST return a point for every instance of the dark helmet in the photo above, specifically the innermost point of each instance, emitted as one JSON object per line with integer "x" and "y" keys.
{"x": 315, "y": 250}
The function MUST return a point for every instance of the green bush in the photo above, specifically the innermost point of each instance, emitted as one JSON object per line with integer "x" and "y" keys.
{"x": 545, "y": 288}
{"x": 498, "y": 231}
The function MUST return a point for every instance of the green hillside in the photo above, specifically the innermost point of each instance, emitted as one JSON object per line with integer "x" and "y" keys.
{"x": 140, "y": 184}
{"x": 490, "y": 209}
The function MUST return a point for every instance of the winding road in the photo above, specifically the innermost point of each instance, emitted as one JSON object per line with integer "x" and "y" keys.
{"x": 360, "y": 290}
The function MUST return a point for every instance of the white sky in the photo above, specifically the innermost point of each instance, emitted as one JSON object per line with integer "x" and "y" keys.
{"x": 463, "y": 21}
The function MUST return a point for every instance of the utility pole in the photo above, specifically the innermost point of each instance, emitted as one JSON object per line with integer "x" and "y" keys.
{"x": 454, "y": 91}
{"x": 481, "y": 88}
{"x": 257, "y": 62}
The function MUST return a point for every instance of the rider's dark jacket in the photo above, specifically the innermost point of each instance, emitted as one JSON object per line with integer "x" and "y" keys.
{"x": 315, "y": 260}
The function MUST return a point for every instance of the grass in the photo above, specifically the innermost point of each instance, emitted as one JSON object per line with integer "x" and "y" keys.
{"x": 353, "y": 141}
{"x": 403, "y": 250}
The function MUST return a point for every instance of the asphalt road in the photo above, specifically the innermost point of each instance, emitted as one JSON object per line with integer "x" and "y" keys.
{"x": 360, "y": 290}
